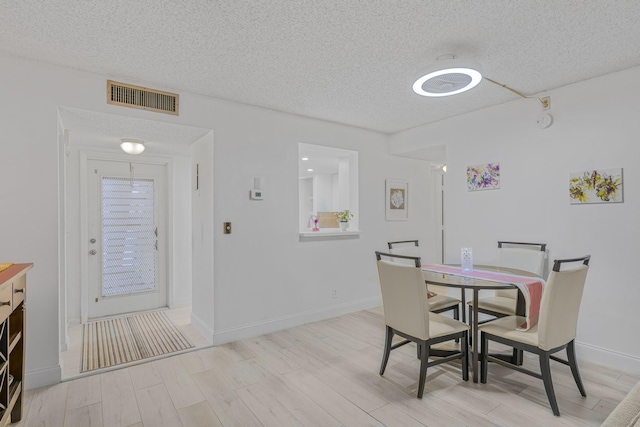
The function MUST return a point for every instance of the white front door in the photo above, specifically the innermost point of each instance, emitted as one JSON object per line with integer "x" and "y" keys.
{"x": 127, "y": 239}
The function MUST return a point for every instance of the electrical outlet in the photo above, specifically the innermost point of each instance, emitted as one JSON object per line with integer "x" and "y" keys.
{"x": 334, "y": 293}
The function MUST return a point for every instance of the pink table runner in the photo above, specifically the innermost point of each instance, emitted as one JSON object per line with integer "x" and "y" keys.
{"x": 531, "y": 287}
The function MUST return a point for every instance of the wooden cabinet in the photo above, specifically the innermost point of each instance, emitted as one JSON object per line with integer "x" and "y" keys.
{"x": 13, "y": 284}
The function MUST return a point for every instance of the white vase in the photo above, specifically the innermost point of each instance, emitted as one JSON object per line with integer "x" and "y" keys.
{"x": 344, "y": 225}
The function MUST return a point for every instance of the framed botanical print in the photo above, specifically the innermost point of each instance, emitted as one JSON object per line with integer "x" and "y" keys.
{"x": 396, "y": 199}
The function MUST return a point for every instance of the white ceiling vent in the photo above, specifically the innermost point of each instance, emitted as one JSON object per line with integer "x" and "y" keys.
{"x": 128, "y": 95}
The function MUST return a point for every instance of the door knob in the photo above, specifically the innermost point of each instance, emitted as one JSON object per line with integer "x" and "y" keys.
{"x": 92, "y": 241}
{"x": 92, "y": 252}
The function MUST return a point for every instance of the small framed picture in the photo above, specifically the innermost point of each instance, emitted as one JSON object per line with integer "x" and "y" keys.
{"x": 396, "y": 199}
{"x": 483, "y": 177}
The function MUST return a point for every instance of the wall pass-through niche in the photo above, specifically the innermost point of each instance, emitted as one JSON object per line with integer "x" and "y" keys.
{"x": 327, "y": 183}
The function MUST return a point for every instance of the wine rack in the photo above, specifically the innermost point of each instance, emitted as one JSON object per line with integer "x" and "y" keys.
{"x": 13, "y": 283}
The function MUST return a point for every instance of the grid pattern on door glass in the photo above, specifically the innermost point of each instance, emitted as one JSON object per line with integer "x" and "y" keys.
{"x": 129, "y": 239}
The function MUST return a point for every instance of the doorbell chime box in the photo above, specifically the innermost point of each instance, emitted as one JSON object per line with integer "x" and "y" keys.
{"x": 256, "y": 193}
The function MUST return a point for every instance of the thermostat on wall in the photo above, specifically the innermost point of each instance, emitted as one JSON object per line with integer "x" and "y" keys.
{"x": 255, "y": 195}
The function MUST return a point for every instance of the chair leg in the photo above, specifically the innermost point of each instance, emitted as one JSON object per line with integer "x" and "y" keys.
{"x": 517, "y": 357}
{"x": 573, "y": 364}
{"x": 387, "y": 349}
{"x": 545, "y": 370}
{"x": 484, "y": 353}
{"x": 456, "y": 315}
{"x": 424, "y": 358}
{"x": 469, "y": 317}
{"x": 464, "y": 349}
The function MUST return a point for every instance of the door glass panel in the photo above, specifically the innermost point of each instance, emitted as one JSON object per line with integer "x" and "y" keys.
{"x": 129, "y": 236}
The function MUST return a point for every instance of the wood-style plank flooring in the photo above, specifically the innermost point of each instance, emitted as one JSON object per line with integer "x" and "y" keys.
{"x": 320, "y": 374}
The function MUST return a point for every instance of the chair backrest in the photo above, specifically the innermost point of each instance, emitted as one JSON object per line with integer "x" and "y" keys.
{"x": 404, "y": 295}
{"x": 404, "y": 247}
{"x": 560, "y": 303}
{"x": 522, "y": 256}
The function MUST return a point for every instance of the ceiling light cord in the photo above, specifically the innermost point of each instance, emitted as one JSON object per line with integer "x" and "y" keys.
{"x": 544, "y": 102}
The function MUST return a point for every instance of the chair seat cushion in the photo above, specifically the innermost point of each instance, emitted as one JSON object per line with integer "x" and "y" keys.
{"x": 498, "y": 304}
{"x": 442, "y": 301}
{"x": 440, "y": 325}
{"x": 506, "y": 327}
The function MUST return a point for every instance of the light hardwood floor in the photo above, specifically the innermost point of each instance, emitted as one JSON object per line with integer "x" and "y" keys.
{"x": 320, "y": 374}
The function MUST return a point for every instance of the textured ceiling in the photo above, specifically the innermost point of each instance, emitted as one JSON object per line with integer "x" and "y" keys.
{"x": 95, "y": 129}
{"x": 347, "y": 61}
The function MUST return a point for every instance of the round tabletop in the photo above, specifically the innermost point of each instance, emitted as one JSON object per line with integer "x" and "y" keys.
{"x": 472, "y": 283}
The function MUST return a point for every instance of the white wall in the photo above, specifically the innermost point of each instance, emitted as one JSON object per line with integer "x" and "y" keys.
{"x": 322, "y": 193}
{"x": 305, "y": 201}
{"x": 595, "y": 126}
{"x": 264, "y": 278}
{"x": 180, "y": 206}
{"x": 202, "y": 202}
{"x": 344, "y": 187}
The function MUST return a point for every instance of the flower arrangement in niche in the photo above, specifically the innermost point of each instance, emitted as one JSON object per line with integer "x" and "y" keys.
{"x": 344, "y": 216}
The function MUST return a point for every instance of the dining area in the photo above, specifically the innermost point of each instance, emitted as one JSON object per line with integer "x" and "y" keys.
{"x": 479, "y": 316}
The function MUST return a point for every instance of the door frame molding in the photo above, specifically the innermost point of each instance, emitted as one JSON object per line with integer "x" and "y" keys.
{"x": 439, "y": 238}
{"x": 85, "y": 156}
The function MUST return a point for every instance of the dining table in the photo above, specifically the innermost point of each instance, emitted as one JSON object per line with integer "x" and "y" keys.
{"x": 476, "y": 285}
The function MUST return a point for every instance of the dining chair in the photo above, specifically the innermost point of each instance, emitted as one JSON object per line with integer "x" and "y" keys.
{"x": 438, "y": 303}
{"x": 407, "y": 314}
{"x": 519, "y": 255}
{"x": 555, "y": 330}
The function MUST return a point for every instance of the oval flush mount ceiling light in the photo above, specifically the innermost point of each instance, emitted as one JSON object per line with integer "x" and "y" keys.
{"x": 448, "y": 77}
{"x": 132, "y": 146}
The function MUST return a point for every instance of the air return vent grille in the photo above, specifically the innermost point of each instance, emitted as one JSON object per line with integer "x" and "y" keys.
{"x": 141, "y": 97}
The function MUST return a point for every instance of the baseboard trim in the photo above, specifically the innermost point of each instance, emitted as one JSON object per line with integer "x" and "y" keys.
{"x": 181, "y": 304}
{"x": 607, "y": 357}
{"x": 43, "y": 377}
{"x": 274, "y": 325}
{"x": 202, "y": 328}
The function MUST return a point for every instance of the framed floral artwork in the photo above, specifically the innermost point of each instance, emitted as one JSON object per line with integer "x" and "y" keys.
{"x": 483, "y": 177}
{"x": 396, "y": 199}
{"x": 596, "y": 186}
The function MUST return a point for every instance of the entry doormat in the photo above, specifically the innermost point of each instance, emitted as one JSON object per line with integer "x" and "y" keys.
{"x": 121, "y": 340}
